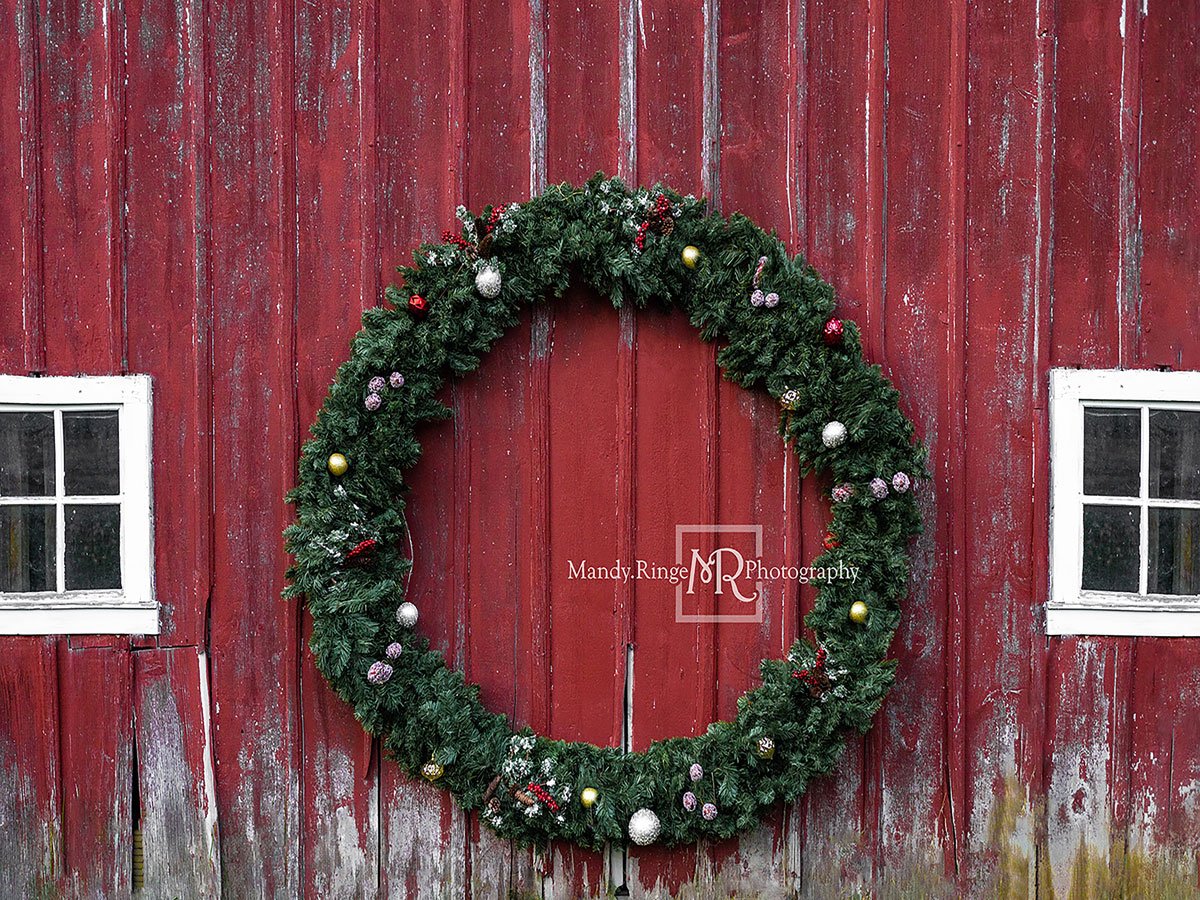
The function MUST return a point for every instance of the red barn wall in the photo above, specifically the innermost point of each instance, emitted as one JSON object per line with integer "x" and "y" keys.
{"x": 212, "y": 192}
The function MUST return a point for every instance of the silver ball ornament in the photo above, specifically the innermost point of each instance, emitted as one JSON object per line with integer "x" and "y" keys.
{"x": 487, "y": 282}
{"x": 834, "y": 434}
{"x": 406, "y": 614}
{"x": 644, "y": 827}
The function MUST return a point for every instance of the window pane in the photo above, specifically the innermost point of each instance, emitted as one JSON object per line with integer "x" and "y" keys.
{"x": 28, "y": 548}
{"x": 93, "y": 539}
{"x": 27, "y": 454}
{"x": 1175, "y": 454}
{"x": 1112, "y": 452}
{"x": 91, "y": 452}
{"x": 1174, "y": 551}
{"x": 1111, "y": 542}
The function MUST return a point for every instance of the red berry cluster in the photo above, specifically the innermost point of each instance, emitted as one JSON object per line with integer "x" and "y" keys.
{"x": 494, "y": 218}
{"x": 362, "y": 552}
{"x": 544, "y": 795}
{"x": 816, "y": 678}
{"x": 660, "y": 216}
{"x": 831, "y": 542}
{"x": 449, "y": 237}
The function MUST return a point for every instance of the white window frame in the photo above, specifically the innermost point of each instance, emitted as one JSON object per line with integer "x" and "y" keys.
{"x": 132, "y": 609}
{"x": 1071, "y": 609}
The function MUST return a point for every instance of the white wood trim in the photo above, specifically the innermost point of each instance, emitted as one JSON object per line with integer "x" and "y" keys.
{"x": 80, "y": 620}
{"x": 1123, "y": 622}
{"x": 133, "y": 609}
{"x": 1071, "y": 610}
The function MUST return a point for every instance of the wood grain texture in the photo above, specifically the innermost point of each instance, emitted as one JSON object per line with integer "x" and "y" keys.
{"x": 96, "y": 767}
{"x": 335, "y": 208}
{"x": 22, "y": 348}
{"x": 213, "y": 192}
{"x": 254, "y": 635}
{"x": 166, "y": 293}
{"x": 1006, "y": 287}
{"x": 80, "y": 86}
{"x": 172, "y": 714}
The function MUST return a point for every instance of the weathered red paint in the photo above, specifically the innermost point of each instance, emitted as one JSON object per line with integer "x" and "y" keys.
{"x": 213, "y": 192}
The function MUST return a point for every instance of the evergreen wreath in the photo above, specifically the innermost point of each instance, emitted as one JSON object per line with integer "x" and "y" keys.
{"x": 775, "y": 318}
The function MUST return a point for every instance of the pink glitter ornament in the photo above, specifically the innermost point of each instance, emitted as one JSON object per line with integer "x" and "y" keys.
{"x": 709, "y": 811}
{"x": 901, "y": 483}
{"x": 393, "y": 650}
{"x": 842, "y": 493}
{"x": 879, "y": 488}
{"x": 396, "y": 380}
{"x": 689, "y": 801}
{"x": 696, "y": 772}
{"x": 376, "y": 384}
{"x": 379, "y": 672}
{"x": 372, "y": 402}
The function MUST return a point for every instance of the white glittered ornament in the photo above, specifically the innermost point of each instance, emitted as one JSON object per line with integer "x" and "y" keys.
{"x": 487, "y": 282}
{"x": 833, "y": 434}
{"x": 406, "y": 614}
{"x": 644, "y": 827}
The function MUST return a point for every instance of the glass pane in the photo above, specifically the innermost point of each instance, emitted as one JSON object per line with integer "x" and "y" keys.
{"x": 1175, "y": 454}
{"x": 1112, "y": 452}
{"x": 1174, "y": 551}
{"x": 1111, "y": 542}
{"x": 27, "y": 454}
{"x": 91, "y": 452}
{"x": 93, "y": 539}
{"x": 28, "y": 548}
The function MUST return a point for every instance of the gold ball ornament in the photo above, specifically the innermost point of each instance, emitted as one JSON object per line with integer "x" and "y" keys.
{"x": 338, "y": 464}
{"x": 690, "y": 256}
{"x": 588, "y": 797}
{"x": 765, "y": 748}
{"x": 859, "y": 612}
{"x": 432, "y": 770}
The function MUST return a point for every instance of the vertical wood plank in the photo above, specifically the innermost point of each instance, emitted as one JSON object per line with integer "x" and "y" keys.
{"x": 916, "y": 754}
{"x": 31, "y": 833}
{"x": 80, "y": 91}
{"x": 1006, "y": 288}
{"x": 172, "y": 718}
{"x": 757, "y": 477}
{"x": 254, "y": 640}
{"x": 1168, "y": 315}
{"x": 675, "y": 395}
{"x": 31, "y": 804}
{"x": 843, "y": 154}
{"x": 590, "y": 346}
{"x": 418, "y": 181}
{"x": 1086, "y": 776}
{"x": 96, "y": 735}
{"x": 166, "y": 293}
{"x": 1164, "y": 755}
{"x": 500, "y": 412}
{"x": 334, "y": 123}
{"x": 21, "y": 346}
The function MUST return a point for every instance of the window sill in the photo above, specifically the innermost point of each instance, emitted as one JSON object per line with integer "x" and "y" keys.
{"x": 1135, "y": 618}
{"x": 54, "y": 615}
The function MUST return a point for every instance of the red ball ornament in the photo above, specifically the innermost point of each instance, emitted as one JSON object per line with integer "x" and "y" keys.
{"x": 418, "y": 306}
{"x": 833, "y": 332}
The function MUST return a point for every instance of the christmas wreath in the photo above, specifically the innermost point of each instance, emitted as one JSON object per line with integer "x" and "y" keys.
{"x": 774, "y": 318}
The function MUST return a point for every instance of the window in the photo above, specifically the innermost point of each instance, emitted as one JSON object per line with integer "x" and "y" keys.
{"x": 1125, "y": 503}
{"x": 75, "y": 508}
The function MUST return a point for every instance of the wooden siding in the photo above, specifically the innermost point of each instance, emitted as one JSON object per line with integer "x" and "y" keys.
{"x": 212, "y": 191}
